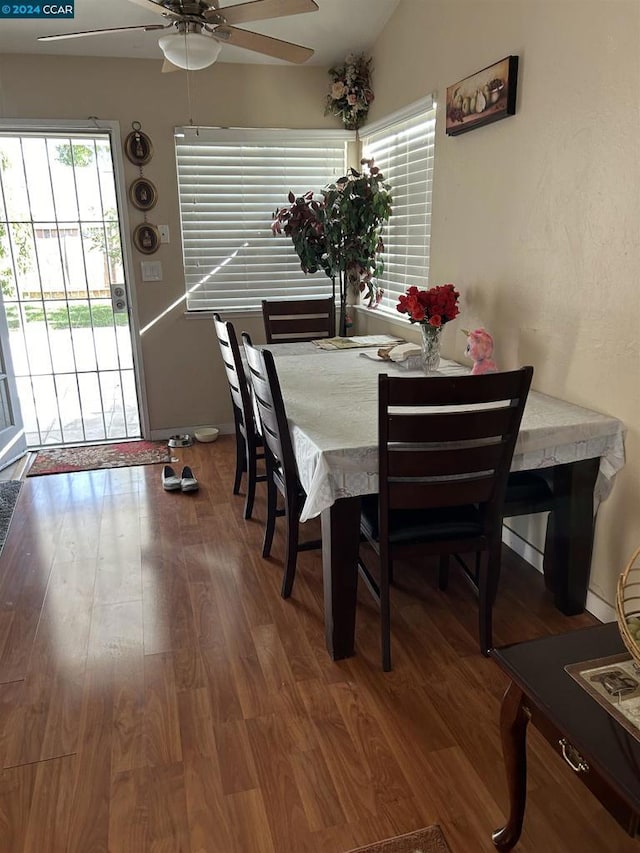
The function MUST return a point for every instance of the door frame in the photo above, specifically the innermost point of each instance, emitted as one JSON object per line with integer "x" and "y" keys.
{"x": 45, "y": 126}
{"x": 13, "y": 446}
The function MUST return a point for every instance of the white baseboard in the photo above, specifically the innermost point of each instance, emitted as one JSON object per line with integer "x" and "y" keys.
{"x": 595, "y": 605}
{"x": 162, "y": 434}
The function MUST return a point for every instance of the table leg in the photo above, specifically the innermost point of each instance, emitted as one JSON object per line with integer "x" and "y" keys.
{"x": 340, "y": 542}
{"x": 569, "y": 539}
{"x": 514, "y": 717}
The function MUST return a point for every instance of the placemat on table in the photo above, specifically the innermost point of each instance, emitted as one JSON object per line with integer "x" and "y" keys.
{"x": 357, "y": 341}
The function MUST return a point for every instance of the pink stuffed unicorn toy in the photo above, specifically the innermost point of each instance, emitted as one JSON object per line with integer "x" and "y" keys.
{"x": 480, "y": 349}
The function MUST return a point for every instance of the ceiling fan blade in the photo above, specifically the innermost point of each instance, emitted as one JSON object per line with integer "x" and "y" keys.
{"x": 167, "y": 67}
{"x": 259, "y": 10}
{"x": 263, "y": 44}
{"x": 145, "y": 27}
{"x": 150, "y": 6}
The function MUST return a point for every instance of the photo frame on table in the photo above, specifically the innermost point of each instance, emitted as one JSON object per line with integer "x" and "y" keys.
{"x": 138, "y": 148}
{"x": 482, "y": 98}
{"x": 143, "y": 194}
{"x": 614, "y": 682}
{"x": 146, "y": 238}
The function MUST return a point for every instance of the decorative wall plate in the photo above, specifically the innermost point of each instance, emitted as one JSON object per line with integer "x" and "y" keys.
{"x": 146, "y": 238}
{"x": 138, "y": 147}
{"x": 143, "y": 194}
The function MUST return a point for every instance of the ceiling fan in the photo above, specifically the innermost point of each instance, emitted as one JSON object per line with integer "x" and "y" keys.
{"x": 199, "y": 28}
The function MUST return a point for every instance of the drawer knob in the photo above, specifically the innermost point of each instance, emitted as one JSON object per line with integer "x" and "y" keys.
{"x": 572, "y": 757}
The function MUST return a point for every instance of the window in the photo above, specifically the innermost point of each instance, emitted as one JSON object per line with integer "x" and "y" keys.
{"x": 402, "y": 147}
{"x": 230, "y": 182}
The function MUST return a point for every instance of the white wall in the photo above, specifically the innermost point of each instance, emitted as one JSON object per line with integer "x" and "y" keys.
{"x": 535, "y": 218}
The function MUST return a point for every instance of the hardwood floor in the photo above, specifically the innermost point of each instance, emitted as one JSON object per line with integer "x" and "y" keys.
{"x": 157, "y": 694}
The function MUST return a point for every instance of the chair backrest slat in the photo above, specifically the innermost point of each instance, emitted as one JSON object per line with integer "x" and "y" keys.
{"x": 434, "y": 458}
{"x": 468, "y": 389}
{"x": 429, "y": 425}
{"x": 289, "y": 321}
{"x": 442, "y": 461}
{"x": 268, "y": 397}
{"x": 236, "y": 377}
{"x": 416, "y": 495}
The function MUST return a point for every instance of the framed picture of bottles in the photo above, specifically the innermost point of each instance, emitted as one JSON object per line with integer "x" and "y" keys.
{"x": 482, "y": 98}
{"x": 146, "y": 238}
{"x": 137, "y": 146}
{"x": 143, "y": 194}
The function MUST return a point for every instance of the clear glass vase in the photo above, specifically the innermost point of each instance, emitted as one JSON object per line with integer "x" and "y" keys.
{"x": 430, "y": 343}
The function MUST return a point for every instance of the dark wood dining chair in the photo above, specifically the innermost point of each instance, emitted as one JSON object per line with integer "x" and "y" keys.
{"x": 289, "y": 321}
{"x": 445, "y": 449}
{"x": 282, "y": 472}
{"x": 249, "y": 448}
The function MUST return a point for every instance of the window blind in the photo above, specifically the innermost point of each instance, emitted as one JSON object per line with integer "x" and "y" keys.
{"x": 230, "y": 182}
{"x": 402, "y": 146}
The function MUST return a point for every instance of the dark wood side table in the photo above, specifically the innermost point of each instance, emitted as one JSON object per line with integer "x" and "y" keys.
{"x": 592, "y": 743}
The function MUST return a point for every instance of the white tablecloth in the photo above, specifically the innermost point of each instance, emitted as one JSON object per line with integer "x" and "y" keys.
{"x": 332, "y": 400}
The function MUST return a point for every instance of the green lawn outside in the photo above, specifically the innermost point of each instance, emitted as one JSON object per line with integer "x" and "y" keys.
{"x": 75, "y": 317}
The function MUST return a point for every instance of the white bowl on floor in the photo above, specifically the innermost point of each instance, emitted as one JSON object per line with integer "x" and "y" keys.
{"x": 207, "y": 434}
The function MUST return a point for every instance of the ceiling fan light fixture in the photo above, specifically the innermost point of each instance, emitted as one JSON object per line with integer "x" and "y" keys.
{"x": 191, "y": 51}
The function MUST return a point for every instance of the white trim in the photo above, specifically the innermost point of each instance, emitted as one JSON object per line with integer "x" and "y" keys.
{"x": 394, "y": 319}
{"x": 266, "y": 134}
{"x": 127, "y": 261}
{"x": 399, "y": 116}
{"x": 236, "y": 314}
{"x": 165, "y": 434}
{"x": 44, "y": 125}
{"x": 595, "y": 605}
{"x": 599, "y": 608}
{"x": 524, "y": 549}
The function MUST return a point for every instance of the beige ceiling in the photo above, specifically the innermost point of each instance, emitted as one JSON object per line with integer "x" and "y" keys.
{"x": 338, "y": 27}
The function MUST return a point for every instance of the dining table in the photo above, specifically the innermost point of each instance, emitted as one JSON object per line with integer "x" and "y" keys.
{"x": 331, "y": 401}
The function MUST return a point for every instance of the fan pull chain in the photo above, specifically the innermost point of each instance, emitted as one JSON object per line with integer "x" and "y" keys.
{"x": 189, "y": 98}
{"x": 190, "y": 103}
{"x": 186, "y": 51}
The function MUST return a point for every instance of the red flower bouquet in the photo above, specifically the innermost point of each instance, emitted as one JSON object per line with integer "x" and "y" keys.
{"x": 433, "y": 307}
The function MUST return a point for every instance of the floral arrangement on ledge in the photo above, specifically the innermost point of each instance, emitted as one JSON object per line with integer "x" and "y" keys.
{"x": 433, "y": 307}
{"x": 350, "y": 94}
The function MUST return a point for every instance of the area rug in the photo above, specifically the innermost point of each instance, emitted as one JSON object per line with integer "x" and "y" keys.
{"x": 428, "y": 840}
{"x": 64, "y": 460}
{"x": 9, "y": 491}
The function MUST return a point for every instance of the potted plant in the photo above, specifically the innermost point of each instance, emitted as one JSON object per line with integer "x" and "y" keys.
{"x": 342, "y": 234}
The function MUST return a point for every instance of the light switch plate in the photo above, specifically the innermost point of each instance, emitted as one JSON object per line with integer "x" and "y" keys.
{"x": 151, "y": 270}
{"x": 163, "y": 231}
